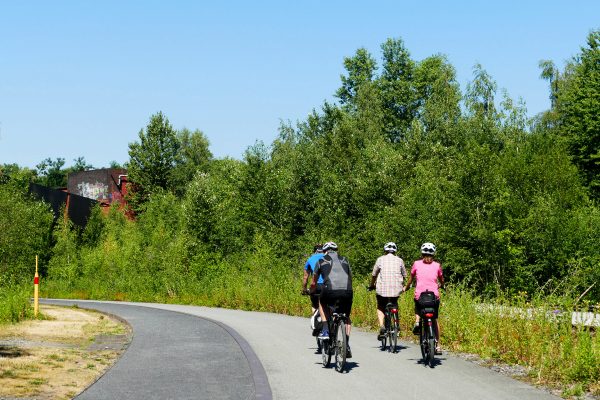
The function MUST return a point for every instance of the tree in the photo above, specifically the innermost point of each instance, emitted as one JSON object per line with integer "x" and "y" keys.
{"x": 80, "y": 165}
{"x": 396, "y": 84}
{"x": 153, "y": 159}
{"x": 51, "y": 174}
{"x": 552, "y": 75}
{"x": 194, "y": 157}
{"x": 578, "y": 109}
{"x": 361, "y": 69}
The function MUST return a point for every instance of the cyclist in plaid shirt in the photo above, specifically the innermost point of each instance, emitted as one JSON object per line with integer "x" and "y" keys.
{"x": 389, "y": 273}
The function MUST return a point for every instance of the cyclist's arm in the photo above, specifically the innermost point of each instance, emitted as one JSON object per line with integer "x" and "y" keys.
{"x": 410, "y": 280}
{"x": 305, "y": 279}
{"x": 316, "y": 273}
{"x": 373, "y": 279}
{"x": 313, "y": 284}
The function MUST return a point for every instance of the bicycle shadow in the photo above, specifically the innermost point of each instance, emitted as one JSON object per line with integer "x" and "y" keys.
{"x": 436, "y": 362}
{"x": 350, "y": 365}
{"x": 386, "y": 350}
{"x": 316, "y": 349}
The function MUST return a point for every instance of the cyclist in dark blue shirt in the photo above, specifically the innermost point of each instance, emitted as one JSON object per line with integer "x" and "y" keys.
{"x": 309, "y": 270}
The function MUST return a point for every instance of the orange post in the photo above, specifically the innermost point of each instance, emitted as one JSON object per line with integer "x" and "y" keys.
{"x": 36, "y": 293}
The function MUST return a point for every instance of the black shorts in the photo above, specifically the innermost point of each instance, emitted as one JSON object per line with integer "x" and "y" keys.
{"x": 314, "y": 297}
{"x": 342, "y": 297}
{"x": 383, "y": 301}
{"x": 436, "y": 307}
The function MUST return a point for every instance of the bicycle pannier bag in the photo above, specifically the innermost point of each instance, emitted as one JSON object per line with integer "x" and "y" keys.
{"x": 427, "y": 299}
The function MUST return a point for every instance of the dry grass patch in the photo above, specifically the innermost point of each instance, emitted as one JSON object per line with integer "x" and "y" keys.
{"x": 58, "y": 357}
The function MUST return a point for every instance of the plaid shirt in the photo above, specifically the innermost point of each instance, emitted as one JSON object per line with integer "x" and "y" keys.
{"x": 391, "y": 275}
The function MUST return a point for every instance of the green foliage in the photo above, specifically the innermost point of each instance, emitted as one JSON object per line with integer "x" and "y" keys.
{"x": 153, "y": 160}
{"x": 65, "y": 264}
{"x": 50, "y": 173}
{"x": 361, "y": 69}
{"x": 24, "y": 233}
{"x": 15, "y": 303}
{"x": 194, "y": 156}
{"x": 16, "y": 178}
{"x": 577, "y": 93}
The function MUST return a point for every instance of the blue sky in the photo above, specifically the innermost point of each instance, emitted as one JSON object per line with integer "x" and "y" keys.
{"x": 81, "y": 78}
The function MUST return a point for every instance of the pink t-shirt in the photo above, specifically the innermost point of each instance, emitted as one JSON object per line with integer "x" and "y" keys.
{"x": 427, "y": 276}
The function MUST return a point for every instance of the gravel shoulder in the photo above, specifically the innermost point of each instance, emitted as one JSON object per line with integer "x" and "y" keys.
{"x": 61, "y": 354}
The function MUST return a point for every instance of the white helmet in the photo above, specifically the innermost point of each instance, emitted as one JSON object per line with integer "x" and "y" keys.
{"x": 428, "y": 249}
{"x": 330, "y": 246}
{"x": 390, "y": 247}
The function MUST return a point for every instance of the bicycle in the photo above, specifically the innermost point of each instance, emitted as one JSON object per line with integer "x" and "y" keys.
{"x": 392, "y": 328}
{"x": 427, "y": 327}
{"x": 337, "y": 344}
{"x": 315, "y": 324}
{"x": 391, "y": 324}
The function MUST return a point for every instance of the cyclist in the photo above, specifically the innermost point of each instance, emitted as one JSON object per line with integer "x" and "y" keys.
{"x": 309, "y": 268}
{"x": 387, "y": 277}
{"x": 337, "y": 287}
{"x": 428, "y": 274}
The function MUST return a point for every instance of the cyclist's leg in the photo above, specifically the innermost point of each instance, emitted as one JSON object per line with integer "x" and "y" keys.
{"x": 314, "y": 298}
{"x": 324, "y": 309}
{"x": 348, "y": 310}
{"x": 314, "y": 302}
{"x": 437, "y": 325}
{"x": 417, "y": 312}
{"x": 380, "y": 310}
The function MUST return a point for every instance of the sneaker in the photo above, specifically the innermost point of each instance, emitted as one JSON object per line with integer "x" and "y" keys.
{"x": 381, "y": 334}
{"x": 438, "y": 350}
{"x": 348, "y": 351}
{"x": 416, "y": 329}
{"x": 324, "y": 334}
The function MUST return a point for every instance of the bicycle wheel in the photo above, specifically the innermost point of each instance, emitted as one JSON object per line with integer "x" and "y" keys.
{"x": 389, "y": 333}
{"x": 394, "y": 333}
{"x": 341, "y": 345}
{"x": 386, "y": 324}
{"x": 423, "y": 342}
{"x": 431, "y": 349}
{"x": 319, "y": 346}
{"x": 325, "y": 352}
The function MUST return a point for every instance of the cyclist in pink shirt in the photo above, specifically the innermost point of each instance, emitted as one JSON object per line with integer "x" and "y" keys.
{"x": 428, "y": 274}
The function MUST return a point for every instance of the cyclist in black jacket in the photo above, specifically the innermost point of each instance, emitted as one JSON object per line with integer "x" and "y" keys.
{"x": 337, "y": 287}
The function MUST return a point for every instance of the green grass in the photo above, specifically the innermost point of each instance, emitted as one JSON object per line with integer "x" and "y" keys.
{"x": 15, "y": 304}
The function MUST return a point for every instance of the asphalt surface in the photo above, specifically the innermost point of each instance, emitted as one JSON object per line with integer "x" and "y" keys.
{"x": 177, "y": 356}
{"x": 286, "y": 350}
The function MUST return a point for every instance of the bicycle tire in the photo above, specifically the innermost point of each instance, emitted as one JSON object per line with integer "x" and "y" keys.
{"x": 325, "y": 353}
{"x": 386, "y": 325}
{"x": 389, "y": 332}
{"x": 341, "y": 343}
{"x": 394, "y": 335}
{"x": 431, "y": 356}
{"x": 423, "y": 342}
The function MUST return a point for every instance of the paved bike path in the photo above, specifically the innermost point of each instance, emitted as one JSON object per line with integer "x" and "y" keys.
{"x": 287, "y": 352}
{"x": 177, "y": 356}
